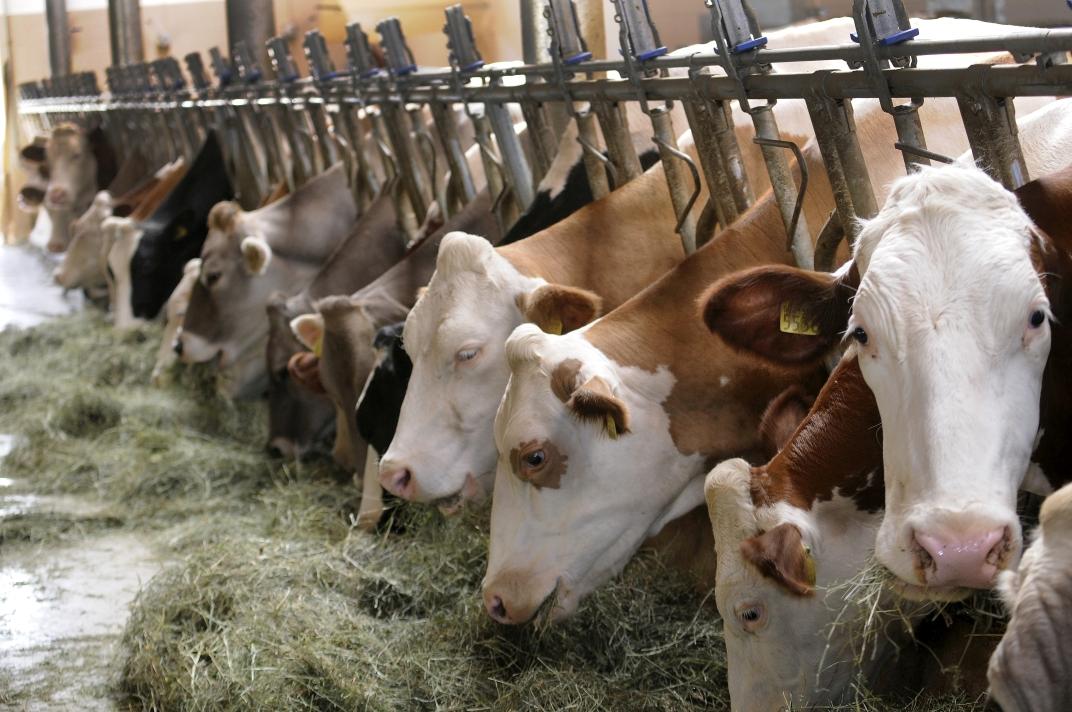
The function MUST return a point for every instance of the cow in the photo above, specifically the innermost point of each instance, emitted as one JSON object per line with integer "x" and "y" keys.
{"x": 34, "y": 164}
{"x": 1029, "y": 670}
{"x": 343, "y": 327}
{"x": 121, "y": 236}
{"x": 925, "y": 339}
{"x": 792, "y": 538}
{"x": 439, "y": 451}
{"x": 174, "y": 313}
{"x": 381, "y": 398}
{"x": 245, "y": 258}
{"x": 648, "y": 357}
{"x": 298, "y": 417}
{"x": 80, "y": 163}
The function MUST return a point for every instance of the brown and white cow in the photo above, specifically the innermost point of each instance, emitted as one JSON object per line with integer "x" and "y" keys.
{"x": 297, "y": 416}
{"x": 1029, "y": 669}
{"x": 80, "y": 163}
{"x": 957, "y": 370}
{"x": 792, "y": 538}
{"x": 174, "y": 313}
{"x": 246, "y": 257}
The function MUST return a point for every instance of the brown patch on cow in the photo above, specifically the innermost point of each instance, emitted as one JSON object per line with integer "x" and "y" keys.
{"x": 564, "y": 379}
{"x": 780, "y": 555}
{"x": 549, "y": 474}
{"x": 1047, "y": 202}
{"x": 782, "y": 417}
{"x": 558, "y": 309}
{"x": 155, "y": 196}
{"x": 837, "y": 447}
{"x": 279, "y": 191}
{"x": 223, "y": 215}
{"x": 594, "y": 401}
{"x": 304, "y": 368}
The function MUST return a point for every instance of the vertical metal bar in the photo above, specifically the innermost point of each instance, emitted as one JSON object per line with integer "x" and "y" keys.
{"x": 396, "y": 123}
{"x": 781, "y": 177}
{"x": 124, "y": 29}
{"x": 517, "y": 168}
{"x": 619, "y": 141}
{"x": 593, "y": 167}
{"x": 541, "y": 136}
{"x": 713, "y": 163}
{"x": 991, "y": 127}
{"x": 368, "y": 183}
{"x": 676, "y": 177}
{"x": 910, "y": 133}
{"x": 251, "y": 22}
{"x": 460, "y": 179}
{"x": 59, "y": 38}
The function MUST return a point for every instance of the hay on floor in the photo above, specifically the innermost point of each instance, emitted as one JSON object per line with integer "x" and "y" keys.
{"x": 277, "y": 602}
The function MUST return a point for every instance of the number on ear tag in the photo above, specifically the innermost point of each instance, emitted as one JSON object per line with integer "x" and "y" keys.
{"x": 794, "y": 321}
{"x": 612, "y": 427}
{"x": 318, "y": 345}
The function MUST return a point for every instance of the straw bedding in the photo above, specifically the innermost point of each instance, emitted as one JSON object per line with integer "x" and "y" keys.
{"x": 275, "y": 601}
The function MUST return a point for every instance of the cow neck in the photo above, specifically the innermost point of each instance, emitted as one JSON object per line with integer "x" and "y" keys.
{"x": 613, "y": 247}
{"x": 1046, "y": 202}
{"x": 718, "y": 394}
{"x": 836, "y": 448}
{"x": 375, "y": 242}
{"x": 299, "y": 226}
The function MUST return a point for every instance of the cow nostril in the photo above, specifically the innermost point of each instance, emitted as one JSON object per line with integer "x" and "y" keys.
{"x": 497, "y": 609}
{"x": 397, "y": 481}
{"x": 176, "y": 346}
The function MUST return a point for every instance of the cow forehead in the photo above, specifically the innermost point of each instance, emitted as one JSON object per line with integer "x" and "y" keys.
{"x": 458, "y": 301}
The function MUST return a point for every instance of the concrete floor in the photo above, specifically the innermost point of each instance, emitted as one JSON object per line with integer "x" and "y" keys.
{"x": 63, "y": 605}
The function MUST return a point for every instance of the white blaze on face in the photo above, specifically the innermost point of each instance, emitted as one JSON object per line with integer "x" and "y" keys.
{"x": 575, "y": 519}
{"x": 951, "y": 327}
{"x": 72, "y": 169}
{"x": 780, "y": 646}
{"x": 455, "y": 336}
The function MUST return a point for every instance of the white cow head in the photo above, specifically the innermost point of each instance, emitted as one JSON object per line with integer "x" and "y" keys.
{"x": 83, "y": 264}
{"x": 565, "y": 518}
{"x": 443, "y": 450}
{"x": 775, "y": 588}
{"x": 951, "y": 325}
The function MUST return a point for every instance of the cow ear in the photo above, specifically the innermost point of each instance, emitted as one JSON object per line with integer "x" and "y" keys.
{"x": 309, "y": 328}
{"x": 787, "y": 316}
{"x": 34, "y": 153}
{"x": 558, "y": 309}
{"x": 781, "y": 418}
{"x": 257, "y": 254}
{"x": 781, "y": 555}
{"x": 594, "y": 401}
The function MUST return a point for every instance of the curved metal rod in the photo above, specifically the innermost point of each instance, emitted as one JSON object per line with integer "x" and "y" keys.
{"x": 674, "y": 151}
{"x": 799, "y": 206}
{"x": 430, "y": 148}
{"x": 599, "y": 155}
{"x": 923, "y": 153}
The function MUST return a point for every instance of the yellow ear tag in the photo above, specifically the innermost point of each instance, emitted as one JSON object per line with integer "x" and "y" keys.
{"x": 318, "y": 346}
{"x": 809, "y": 566}
{"x": 554, "y": 327}
{"x": 794, "y": 321}
{"x": 612, "y": 427}
{"x": 181, "y": 232}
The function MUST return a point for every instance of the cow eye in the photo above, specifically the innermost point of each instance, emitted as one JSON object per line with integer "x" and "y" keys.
{"x": 752, "y": 616}
{"x": 1038, "y": 317}
{"x": 860, "y": 335}
{"x": 467, "y": 354}
{"x": 210, "y": 278}
{"x": 535, "y": 459}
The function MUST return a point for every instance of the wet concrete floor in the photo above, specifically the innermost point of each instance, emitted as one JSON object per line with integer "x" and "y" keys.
{"x": 64, "y": 602}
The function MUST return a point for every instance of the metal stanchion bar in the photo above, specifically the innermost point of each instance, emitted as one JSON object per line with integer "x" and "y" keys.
{"x": 991, "y": 127}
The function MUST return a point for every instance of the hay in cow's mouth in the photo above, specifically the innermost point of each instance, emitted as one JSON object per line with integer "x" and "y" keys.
{"x": 278, "y": 602}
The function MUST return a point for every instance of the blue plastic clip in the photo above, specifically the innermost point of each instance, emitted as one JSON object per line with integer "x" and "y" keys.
{"x": 902, "y": 36}
{"x": 750, "y": 44}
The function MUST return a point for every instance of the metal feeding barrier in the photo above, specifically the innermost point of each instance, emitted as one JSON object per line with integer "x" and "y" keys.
{"x": 378, "y": 115}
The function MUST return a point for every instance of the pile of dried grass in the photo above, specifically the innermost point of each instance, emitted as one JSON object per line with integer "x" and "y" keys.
{"x": 277, "y": 602}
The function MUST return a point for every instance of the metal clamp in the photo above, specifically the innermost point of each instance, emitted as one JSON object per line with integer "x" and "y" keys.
{"x": 566, "y": 32}
{"x": 886, "y": 21}
{"x": 221, "y": 67}
{"x": 400, "y": 60}
{"x": 359, "y": 52}
{"x": 741, "y": 26}
{"x": 282, "y": 63}
{"x": 316, "y": 51}
{"x": 196, "y": 68}
{"x": 460, "y": 41}
{"x": 640, "y": 38}
{"x": 801, "y": 191}
{"x": 245, "y": 64}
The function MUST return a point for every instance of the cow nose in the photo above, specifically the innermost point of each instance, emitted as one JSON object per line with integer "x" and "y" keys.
{"x": 398, "y": 480}
{"x": 57, "y": 195}
{"x": 57, "y": 276}
{"x": 280, "y": 447}
{"x": 969, "y": 560}
{"x": 496, "y": 609}
{"x": 176, "y": 346}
